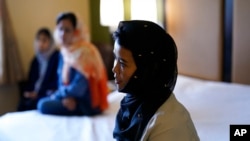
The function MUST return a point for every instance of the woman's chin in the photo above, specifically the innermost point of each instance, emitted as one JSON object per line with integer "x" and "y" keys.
{"x": 66, "y": 45}
{"x": 119, "y": 88}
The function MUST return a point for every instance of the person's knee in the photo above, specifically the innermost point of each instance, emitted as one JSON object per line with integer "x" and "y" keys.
{"x": 43, "y": 106}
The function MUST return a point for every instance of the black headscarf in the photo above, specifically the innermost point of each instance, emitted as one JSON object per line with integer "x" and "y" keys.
{"x": 155, "y": 55}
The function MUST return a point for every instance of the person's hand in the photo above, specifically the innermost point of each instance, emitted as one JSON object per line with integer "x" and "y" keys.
{"x": 69, "y": 103}
{"x": 31, "y": 95}
{"x": 52, "y": 96}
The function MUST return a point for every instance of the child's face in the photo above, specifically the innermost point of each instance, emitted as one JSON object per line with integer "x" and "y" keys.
{"x": 42, "y": 43}
{"x": 66, "y": 32}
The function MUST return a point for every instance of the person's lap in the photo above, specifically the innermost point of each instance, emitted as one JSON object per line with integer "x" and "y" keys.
{"x": 48, "y": 105}
{"x": 55, "y": 107}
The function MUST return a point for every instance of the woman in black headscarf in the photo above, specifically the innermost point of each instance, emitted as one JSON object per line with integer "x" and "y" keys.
{"x": 145, "y": 68}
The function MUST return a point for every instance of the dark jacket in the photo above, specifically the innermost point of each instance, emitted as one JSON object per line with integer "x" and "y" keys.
{"x": 50, "y": 79}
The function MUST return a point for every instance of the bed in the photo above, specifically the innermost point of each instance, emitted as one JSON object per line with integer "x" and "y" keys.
{"x": 213, "y": 107}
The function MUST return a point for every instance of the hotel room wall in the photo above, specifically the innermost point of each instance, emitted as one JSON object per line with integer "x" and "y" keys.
{"x": 99, "y": 34}
{"x": 196, "y": 27}
{"x": 27, "y": 16}
{"x": 241, "y": 42}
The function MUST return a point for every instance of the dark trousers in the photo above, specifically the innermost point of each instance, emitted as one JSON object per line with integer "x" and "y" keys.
{"x": 25, "y": 103}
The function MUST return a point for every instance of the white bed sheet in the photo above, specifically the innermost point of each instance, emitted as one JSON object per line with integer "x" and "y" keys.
{"x": 34, "y": 126}
{"x": 213, "y": 107}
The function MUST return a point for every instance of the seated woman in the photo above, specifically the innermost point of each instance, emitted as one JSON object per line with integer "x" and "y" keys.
{"x": 42, "y": 78}
{"x": 82, "y": 76}
{"x": 145, "y": 69}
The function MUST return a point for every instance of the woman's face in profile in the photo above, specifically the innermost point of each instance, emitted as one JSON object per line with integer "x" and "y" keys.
{"x": 66, "y": 32}
{"x": 124, "y": 65}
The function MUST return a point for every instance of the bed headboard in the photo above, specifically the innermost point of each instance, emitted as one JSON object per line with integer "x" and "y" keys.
{"x": 198, "y": 29}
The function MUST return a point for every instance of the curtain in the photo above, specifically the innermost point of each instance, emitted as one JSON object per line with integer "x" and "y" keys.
{"x": 11, "y": 70}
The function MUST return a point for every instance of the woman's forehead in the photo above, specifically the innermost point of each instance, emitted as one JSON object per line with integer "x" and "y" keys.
{"x": 118, "y": 49}
{"x": 42, "y": 37}
{"x": 65, "y": 22}
{"x": 122, "y": 52}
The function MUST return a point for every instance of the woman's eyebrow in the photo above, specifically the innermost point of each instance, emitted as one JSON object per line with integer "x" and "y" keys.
{"x": 123, "y": 60}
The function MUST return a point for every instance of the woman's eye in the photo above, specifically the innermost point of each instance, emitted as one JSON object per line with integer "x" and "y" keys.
{"x": 122, "y": 64}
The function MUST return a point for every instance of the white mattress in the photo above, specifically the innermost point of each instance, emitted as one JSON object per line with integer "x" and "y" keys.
{"x": 213, "y": 107}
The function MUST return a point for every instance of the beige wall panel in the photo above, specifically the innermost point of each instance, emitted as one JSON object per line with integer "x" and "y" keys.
{"x": 241, "y": 42}
{"x": 196, "y": 27}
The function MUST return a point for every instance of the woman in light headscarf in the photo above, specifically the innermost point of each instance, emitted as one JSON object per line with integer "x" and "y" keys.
{"x": 145, "y": 68}
{"x": 82, "y": 76}
{"x": 42, "y": 79}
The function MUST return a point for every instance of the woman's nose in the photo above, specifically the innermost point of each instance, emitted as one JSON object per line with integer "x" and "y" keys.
{"x": 114, "y": 69}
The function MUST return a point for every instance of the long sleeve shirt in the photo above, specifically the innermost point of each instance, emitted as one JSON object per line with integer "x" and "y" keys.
{"x": 77, "y": 88}
{"x": 171, "y": 122}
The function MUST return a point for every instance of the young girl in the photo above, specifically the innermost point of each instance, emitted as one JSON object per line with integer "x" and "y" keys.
{"x": 145, "y": 68}
{"x": 42, "y": 78}
{"x": 82, "y": 76}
